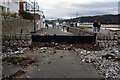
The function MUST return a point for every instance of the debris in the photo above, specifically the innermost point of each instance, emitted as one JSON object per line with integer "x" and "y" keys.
{"x": 20, "y": 61}
{"x": 64, "y": 75}
{"x": 43, "y": 49}
{"x": 28, "y": 77}
{"x": 49, "y": 62}
{"x": 61, "y": 56}
{"x": 15, "y": 75}
{"x": 105, "y": 61}
{"x": 38, "y": 69}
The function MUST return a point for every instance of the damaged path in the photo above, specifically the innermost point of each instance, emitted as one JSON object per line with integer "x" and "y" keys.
{"x": 63, "y": 64}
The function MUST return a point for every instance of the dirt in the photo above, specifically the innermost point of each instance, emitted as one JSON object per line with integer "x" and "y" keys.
{"x": 20, "y": 61}
{"x": 15, "y": 75}
{"x": 62, "y": 46}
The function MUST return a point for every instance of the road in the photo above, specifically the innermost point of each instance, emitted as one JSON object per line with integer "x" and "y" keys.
{"x": 64, "y": 64}
{"x": 69, "y": 66}
{"x": 56, "y": 31}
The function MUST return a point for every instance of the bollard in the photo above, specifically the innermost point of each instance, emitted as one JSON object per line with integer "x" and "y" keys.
{"x": 95, "y": 38}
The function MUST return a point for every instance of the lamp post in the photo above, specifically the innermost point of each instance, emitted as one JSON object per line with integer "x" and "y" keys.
{"x": 34, "y": 15}
{"x": 34, "y": 19}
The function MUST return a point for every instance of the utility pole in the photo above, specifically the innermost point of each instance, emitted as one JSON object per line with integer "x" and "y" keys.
{"x": 77, "y": 14}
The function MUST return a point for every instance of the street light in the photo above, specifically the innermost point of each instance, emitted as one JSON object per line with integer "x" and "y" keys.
{"x": 34, "y": 18}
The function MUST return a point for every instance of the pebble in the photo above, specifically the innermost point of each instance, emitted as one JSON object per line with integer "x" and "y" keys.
{"x": 28, "y": 77}
{"x": 38, "y": 69}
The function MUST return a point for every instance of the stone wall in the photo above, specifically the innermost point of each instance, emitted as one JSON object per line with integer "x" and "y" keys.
{"x": 13, "y": 26}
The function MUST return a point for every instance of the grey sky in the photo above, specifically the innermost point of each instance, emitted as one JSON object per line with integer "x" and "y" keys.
{"x": 68, "y": 8}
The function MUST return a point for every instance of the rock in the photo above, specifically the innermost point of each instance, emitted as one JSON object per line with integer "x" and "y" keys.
{"x": 38, "y": 69}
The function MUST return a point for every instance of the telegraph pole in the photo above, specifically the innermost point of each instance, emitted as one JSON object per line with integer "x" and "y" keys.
{"x": 76, "y": 14}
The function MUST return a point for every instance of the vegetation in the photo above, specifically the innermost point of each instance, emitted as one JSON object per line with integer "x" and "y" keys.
{"x": 104, "y": 19}
{"x": 21, "y": 15}
{"x": 26, "y": 15}
{"x": 9, "y": 14}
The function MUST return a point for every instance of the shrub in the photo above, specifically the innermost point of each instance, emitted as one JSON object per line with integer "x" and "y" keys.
{"x": 9, "y": 14}
{"x": 26, "y": 15}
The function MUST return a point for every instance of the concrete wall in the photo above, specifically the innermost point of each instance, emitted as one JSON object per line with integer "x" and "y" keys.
{"x": 0, "y": 33}
{"x": 78, "y": 31}
{"x": 14, "y": 26}
{"x": 0, "y": 47}
{"x": 0, "y": 10}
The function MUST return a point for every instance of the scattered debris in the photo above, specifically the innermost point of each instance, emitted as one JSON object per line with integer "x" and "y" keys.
{"x": 49, "y": 62}
{"x": 15, "y": 75}
{"x": 42, "y": 50}
{"x": 64, "y": 75}
{"x": 28, "y": 77}
{"x": 20, "y": 61}
{"x": 61, "y": 56}
{"x": 105, "y": 61}
{"x": 38, "y": 69}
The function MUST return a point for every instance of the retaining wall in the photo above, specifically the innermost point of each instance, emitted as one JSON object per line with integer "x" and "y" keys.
{"x": 80, "y": 31}
{"x": 12, "y": 26}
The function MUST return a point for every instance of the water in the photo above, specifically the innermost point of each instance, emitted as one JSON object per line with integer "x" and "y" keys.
{"x": 112, "y": 29}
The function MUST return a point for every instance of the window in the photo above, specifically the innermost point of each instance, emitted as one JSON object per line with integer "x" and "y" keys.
{"x": 2, "y": 8}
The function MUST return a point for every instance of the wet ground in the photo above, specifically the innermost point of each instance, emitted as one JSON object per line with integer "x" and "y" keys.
{"x": 64, "y": 64}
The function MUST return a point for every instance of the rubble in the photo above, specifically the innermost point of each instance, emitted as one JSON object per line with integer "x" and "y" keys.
{"x": 15, "y": 75}
{"x": 9, "y": 52}
{"x": 38, "y": 69}
{"x": 43, "y": 49}
{"x": 49, "y": 62}
{"x": 106, "y": 62}
{"x": 20, "y": 61}
{"x": 65, "y": 46}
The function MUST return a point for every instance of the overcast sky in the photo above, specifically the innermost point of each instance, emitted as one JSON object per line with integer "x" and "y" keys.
{"x": 68, "y": 8}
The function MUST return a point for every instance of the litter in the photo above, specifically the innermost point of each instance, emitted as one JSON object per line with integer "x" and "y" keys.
{"x": 38, "y": 69}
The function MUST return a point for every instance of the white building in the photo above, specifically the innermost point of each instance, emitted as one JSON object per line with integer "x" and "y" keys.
{"x": 11, "y": 6}
{"x": 14, "y": 6}
{"x": 39, "y": 15}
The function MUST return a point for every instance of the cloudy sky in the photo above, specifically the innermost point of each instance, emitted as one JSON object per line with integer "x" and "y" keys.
{"x": 68, "y": 8}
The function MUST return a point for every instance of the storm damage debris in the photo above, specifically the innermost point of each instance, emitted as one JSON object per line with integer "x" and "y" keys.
{"x": 43, "y": 49}
{"x": 15, "y": 75}
{"x": 20, "y": 61}
{"x": 106, "y": 62}
{"x": 14, "y": 51}
{"x": 65, "y": 46}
